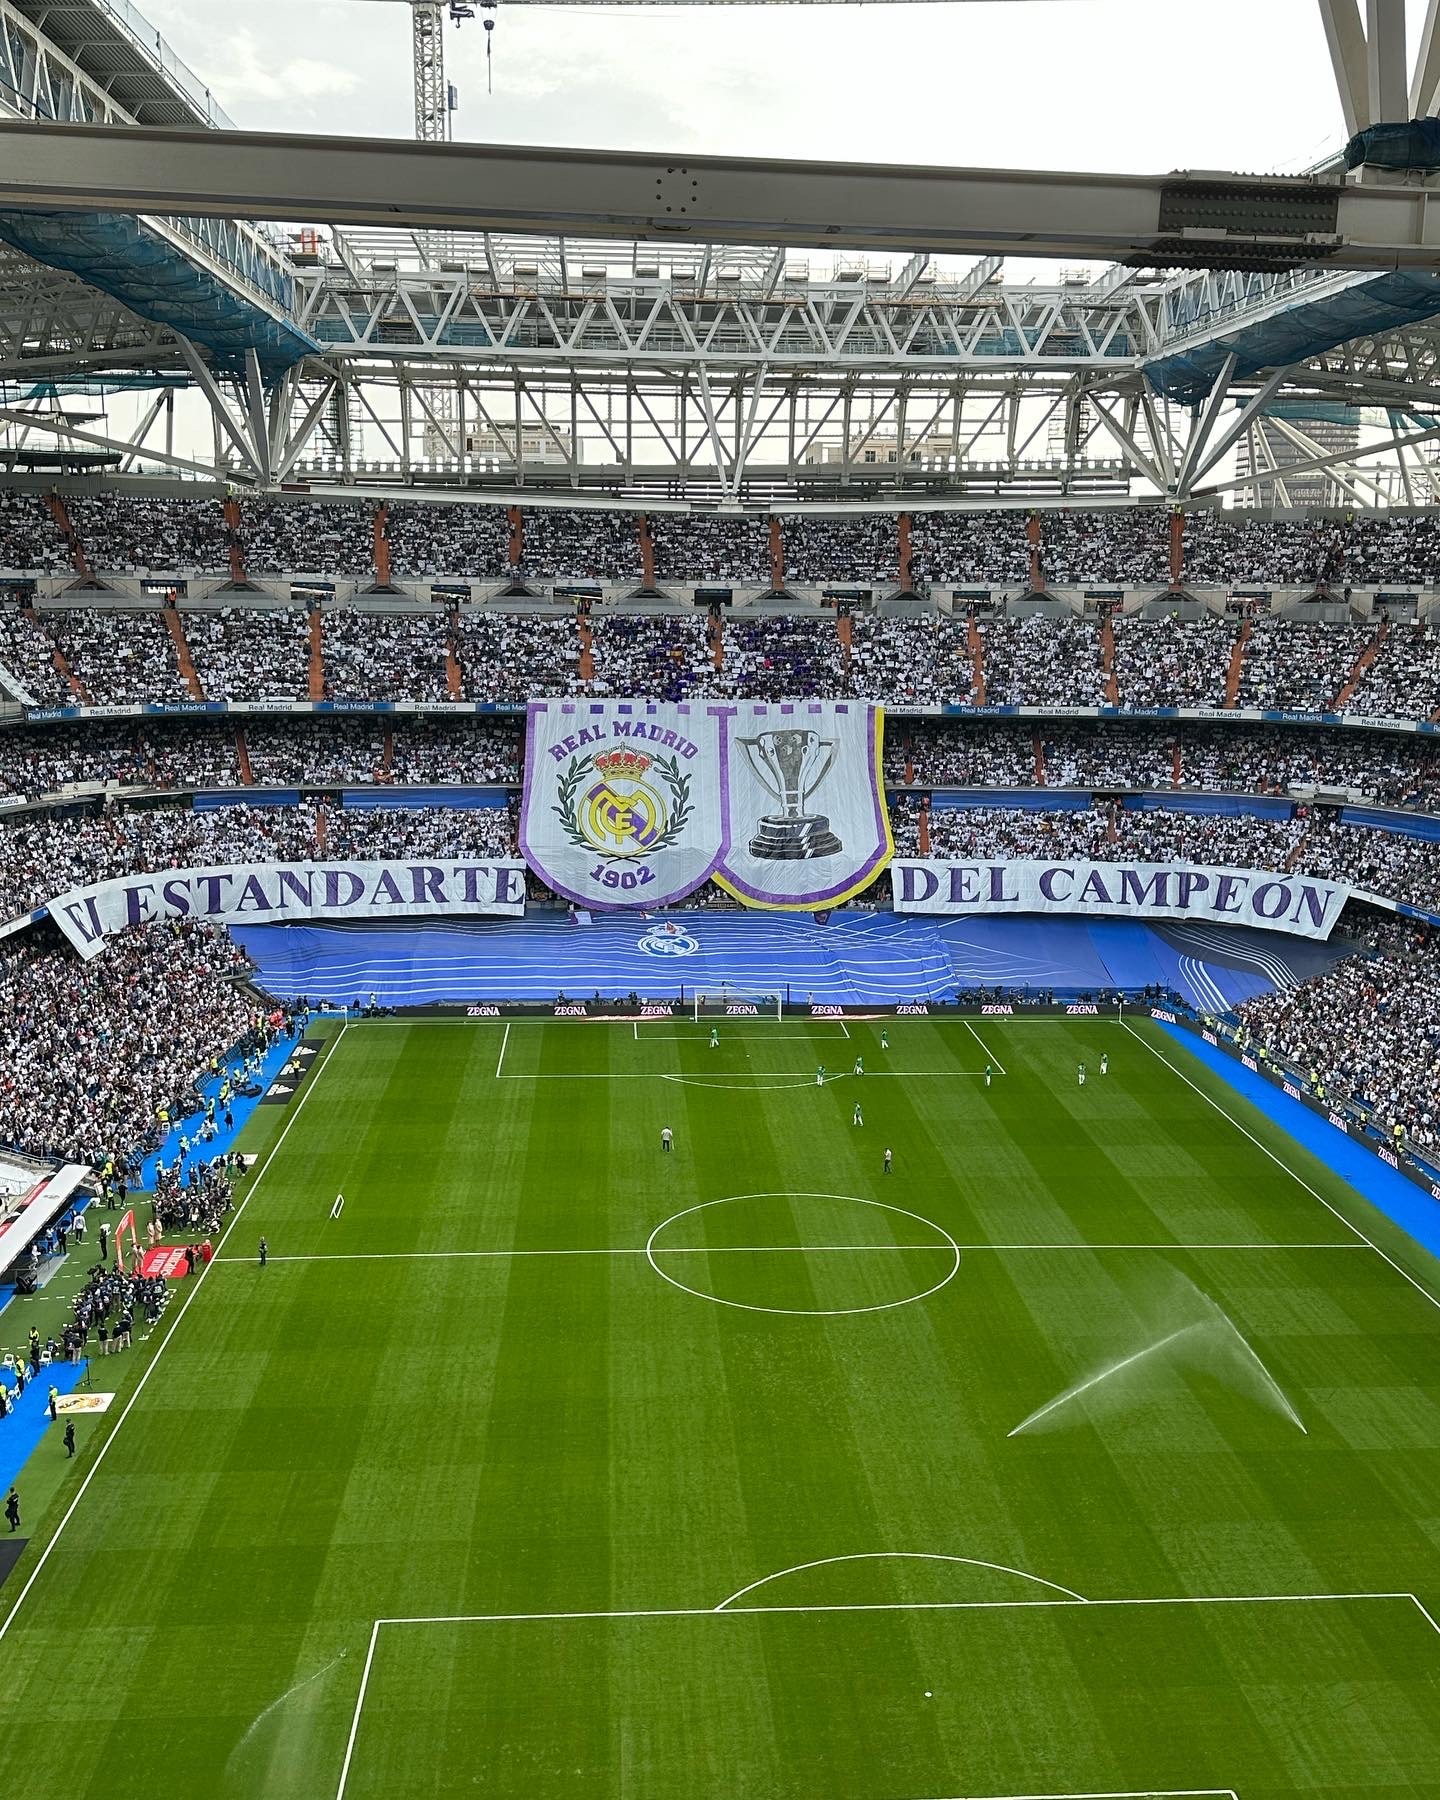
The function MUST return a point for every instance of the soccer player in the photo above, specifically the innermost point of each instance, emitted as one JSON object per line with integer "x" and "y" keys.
{"x": 264, "y": 1253}
{"x": 889, "y": 1158}
{"x": 667, "y": 1138}
{"x": 988, "y": 1072}
{"x": 859, "y": 1065}
{"x": 12, "y": 1509}
{"x": 714, "y": 1037}
{"x": 820, "y": 1076}
{"x": 857, "y": 1120}
{"x": 1105, "y": 1063}
{"x": 1080, "y": 1071}
{"x": 884, "y": 1038}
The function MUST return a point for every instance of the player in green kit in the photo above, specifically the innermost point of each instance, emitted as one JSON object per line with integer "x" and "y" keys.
{"x": 1081, "y": 1073}
{"x": 884, "y": 1039}
{"x": 820, "y": 1076}
{"x": 988, "y": 1073}
{"x": 714, "y": 1037}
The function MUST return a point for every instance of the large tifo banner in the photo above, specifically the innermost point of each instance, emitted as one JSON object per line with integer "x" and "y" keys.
{"x": 1298, "y": 904}
{"x": 276, "y": 893}
{"x": 634, "y": 803}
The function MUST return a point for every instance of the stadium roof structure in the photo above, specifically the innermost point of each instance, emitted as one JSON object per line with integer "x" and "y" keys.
{"x": 700, "y": 330}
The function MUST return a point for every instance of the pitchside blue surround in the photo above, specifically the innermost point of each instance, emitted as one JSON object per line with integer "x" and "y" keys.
{"x": 1400, "y": 1200}
{"x": 22, "y": 1431}
{"x": 859, "y": 958}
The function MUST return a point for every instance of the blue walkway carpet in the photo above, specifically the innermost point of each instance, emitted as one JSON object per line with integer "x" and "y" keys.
{"x": 21, "y": 1433}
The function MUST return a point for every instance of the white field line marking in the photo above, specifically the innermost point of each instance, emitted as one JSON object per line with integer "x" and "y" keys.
{"x": 990, "y": 1055}
{"x": 504, "y": 1045}
{"x": 825, "y": 1562}
{"x": 804, "y": 1076}
{"x": 359, "y": 1702}
{"x": 338, "y": 1207}
{"x": 817, "y": 1312}
{"x": 1429, "y": 1617}
{"x": 1280, "y": 1164}
{"x": 894, "y": 1606}
{"x": 731, "y": 1036}
{"x": 154, "y": 1363}
{"x": 754, "y": 1250}
{"x": 1121, "y": 1794}
{"x": 846, "y": 1029}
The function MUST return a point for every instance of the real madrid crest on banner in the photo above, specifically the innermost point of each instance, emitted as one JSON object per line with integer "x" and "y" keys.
{"x": 622, "y": 799}
{"x": 636, "y": 803}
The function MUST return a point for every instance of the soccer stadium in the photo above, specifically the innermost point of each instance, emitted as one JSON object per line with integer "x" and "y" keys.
{"x": 719, "y": 901}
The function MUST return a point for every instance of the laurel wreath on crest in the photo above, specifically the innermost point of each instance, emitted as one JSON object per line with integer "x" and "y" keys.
{"x": 568, "y": 812}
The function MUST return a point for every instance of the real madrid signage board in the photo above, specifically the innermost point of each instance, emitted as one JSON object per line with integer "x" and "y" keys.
{"x": 633, "y": 803}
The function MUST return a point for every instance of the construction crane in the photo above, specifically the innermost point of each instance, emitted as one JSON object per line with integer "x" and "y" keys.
{"x": 434, "y": 96}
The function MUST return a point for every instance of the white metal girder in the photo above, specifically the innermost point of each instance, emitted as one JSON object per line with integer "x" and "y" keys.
{"x": 630, "y": 195}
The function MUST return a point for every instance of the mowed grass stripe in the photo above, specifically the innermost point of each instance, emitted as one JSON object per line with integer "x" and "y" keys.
{"x": 349, "y": 1440}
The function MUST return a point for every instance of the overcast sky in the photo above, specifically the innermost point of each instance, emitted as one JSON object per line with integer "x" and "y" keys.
{"x": 1102, "y": 84}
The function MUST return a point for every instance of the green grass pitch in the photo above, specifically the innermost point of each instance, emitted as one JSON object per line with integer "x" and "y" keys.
{"x": 558, "y": 1466}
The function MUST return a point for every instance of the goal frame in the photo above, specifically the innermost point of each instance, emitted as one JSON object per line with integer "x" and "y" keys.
{"x": 737, "y": 1003}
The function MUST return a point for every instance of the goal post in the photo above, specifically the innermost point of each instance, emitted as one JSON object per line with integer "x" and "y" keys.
{"x": 738, "y": 1003}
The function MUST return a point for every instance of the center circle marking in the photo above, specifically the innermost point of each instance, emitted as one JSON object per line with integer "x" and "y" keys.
{"x": 805, "y": 1312}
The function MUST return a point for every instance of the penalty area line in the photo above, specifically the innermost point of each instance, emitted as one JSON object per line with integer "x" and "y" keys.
{"x": 169, "y": 1338}
{"x": 989, "y": 1053}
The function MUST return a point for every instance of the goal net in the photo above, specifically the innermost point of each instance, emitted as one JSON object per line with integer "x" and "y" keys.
{"x": 738, "y": 1003}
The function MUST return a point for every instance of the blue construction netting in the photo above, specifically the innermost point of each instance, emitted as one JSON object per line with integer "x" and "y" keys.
{"x": 1304, "y": 329}
{"x": 141, "y": 269}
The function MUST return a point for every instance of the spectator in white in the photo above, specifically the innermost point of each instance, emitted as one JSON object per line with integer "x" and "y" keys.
{"x": 835, "y": 547}
{"x": 91, "y": 1052}
{"x": 457, "y": 543}
{"x": 307, "y": 537}
{"x": 29, "y": 536}
{"x": 663, "y": 656}
{"x": 27, "y": 659}
{"x": 696, "y": 548}
{"x": 1043, "y": 660}
{"x": 1368, "y": 1031}
{"x": 385, "y": 655}
{"x": 143, "y": 534}
{"x": 602, "y": 545}
{"x": 984, "y": 549}
{"x": 250, "y": 654}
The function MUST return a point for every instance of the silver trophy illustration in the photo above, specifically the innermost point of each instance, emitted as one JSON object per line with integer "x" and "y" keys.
{"x": 792, "y": 764}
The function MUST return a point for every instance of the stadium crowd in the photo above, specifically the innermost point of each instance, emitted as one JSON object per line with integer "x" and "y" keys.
{"x": 92, "y": 1054}
{"x": 1365, "y": 1031}
{"x": 145, "y": 534}
{"x": 134, "y": 533}
{"x": 370, "y": 651}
